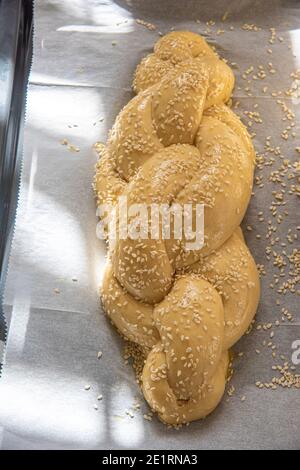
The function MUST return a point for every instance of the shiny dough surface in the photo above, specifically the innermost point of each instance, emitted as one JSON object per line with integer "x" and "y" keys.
{"x": 177, "y": 140}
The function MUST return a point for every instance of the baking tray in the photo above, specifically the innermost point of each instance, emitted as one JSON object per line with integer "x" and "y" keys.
{"x": 85, "y": 53}
{"x": 15, "y": 59}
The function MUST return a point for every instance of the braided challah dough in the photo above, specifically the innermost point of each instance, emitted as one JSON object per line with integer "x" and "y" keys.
{"x": 177, "y": 141}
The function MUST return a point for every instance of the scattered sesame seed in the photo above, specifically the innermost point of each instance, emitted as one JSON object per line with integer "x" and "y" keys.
{"x": 280, "y": 260}
{"x": 147, "y": 25}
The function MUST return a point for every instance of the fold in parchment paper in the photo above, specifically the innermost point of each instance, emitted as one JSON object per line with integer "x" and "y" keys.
{"x": 85, "y": 53}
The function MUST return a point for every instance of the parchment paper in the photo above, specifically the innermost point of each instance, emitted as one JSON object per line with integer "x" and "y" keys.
{"x": 79, "y": 78}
